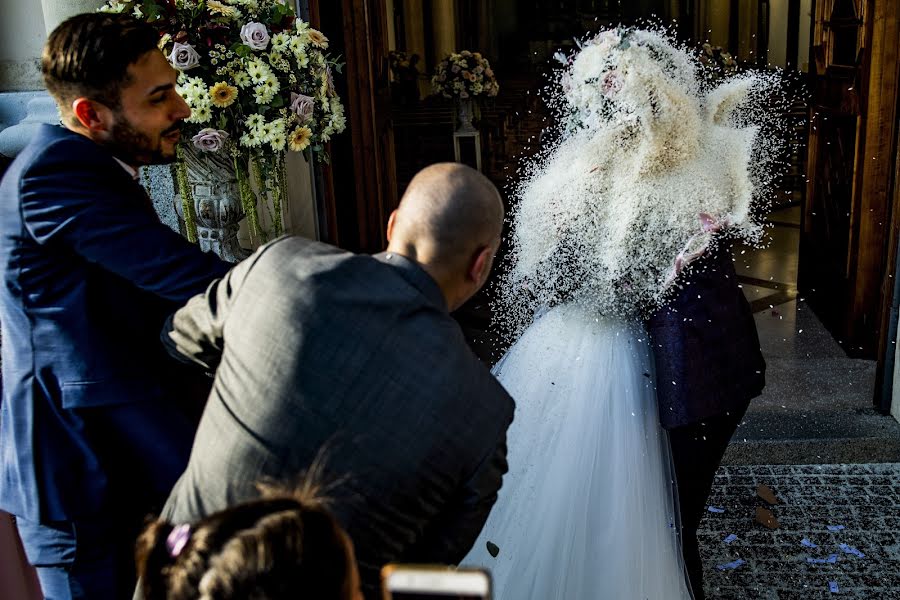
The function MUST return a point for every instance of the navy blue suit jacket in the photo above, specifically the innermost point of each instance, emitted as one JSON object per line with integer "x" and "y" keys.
{"x": 88, "y": 275}
{"x": 706, "y": 349}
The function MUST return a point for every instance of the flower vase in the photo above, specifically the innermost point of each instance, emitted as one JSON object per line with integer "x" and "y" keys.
{"x": 213, "y": 187}
{"x": 464, "y": 117}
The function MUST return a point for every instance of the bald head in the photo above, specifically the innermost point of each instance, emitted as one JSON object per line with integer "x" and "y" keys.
{"x": 449, "y": 214}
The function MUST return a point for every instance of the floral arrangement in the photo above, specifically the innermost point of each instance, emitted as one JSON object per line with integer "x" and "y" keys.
{"x": 399, "y": 61}
{"x": 718, "y": 61}
{"x": 464, "y": 75}
{"x": 259, "y": 82}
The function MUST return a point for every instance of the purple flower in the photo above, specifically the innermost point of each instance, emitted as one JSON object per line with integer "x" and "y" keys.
{"x": 255, "y": 35}
{"x": 210, "y": 140}
{"x": 302, "y": 106}
{"x": 184, "y": 57}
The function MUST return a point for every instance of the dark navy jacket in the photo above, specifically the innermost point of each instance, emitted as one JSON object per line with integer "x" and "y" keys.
{"x": 708, "y": 360}
{"x": 88, "y": 275}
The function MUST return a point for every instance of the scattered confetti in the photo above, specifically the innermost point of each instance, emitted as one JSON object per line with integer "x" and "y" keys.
{"x": 832, "y": 558}
{"x": 835, "y": 527}
{"x": 847, "y": 549}
{"x": 732, "y": 565}
{"x": 730, "y": 539}
{"x": 807, "y": 543}
{"x": 715, "y": 509}
{"x": 833, "y": 587}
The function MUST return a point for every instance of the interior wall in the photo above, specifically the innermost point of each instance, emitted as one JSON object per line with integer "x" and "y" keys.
{"x": 391, "y": 25}
{"x": 806, "y": 15}
{"x": 778, "y": 32}
{"x": 714, "y": 17}
{"x": 22, "y": 36}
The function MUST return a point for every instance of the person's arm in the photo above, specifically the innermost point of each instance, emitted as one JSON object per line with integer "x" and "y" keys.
{"x": 450, "y": 538}
{"x": 194, "y": 334}
{"x": 67, "y": 201}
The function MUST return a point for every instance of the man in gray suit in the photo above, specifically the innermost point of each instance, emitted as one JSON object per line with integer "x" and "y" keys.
{"x": 318, "y": 348}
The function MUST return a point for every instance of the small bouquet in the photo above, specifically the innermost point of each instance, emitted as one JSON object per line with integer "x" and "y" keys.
{"x": 718, "y": 61}
{"x": 399, "y": 61}
{"x": 464, "y": 75}
{"x": 259, "y": 82}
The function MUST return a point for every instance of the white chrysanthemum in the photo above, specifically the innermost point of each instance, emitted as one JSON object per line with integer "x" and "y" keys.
{"x": 338, "y": 122}
{"x": 280, "y": 42}
{"x": 278, "y": 141}
{"x": 252, "y": 139}
{"x": 200, "y": 114}
{"x": 258, "y": 71}
{"x": 242, "y": 79}
{"x": 113, "y": 6}
{"x": 255, "y": 122}
{"x": 263, "y": 94}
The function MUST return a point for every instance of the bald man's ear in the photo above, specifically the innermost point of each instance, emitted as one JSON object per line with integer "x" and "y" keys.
{"x": 390, "y": 225}
{"x": 481, "y": 266}
{"x": 92, "y": 115}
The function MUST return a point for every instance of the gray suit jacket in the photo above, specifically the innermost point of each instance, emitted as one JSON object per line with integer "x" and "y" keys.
{"x": 317, "y": 348}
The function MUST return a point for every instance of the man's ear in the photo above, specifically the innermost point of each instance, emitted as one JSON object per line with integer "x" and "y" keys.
{"x": 92, "y": 115}
{"x": 390, "y": 225}
{"x": 479, "y": 266}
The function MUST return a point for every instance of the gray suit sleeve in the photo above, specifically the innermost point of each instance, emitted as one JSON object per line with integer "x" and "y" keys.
{"x": 194, "y": 334}
{"x": 451, "y": 537}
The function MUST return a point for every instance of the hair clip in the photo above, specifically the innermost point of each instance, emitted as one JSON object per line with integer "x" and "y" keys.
{"x": 178, "y": 539}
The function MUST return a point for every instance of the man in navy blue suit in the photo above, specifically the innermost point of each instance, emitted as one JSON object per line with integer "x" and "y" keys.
{"x": 93, "y": 435}
{"x": 708, "y": 368}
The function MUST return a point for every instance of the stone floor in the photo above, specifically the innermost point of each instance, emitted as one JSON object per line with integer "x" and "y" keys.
{"x": 863, "y": 498}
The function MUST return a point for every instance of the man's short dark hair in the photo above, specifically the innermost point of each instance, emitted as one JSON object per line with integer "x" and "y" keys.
{"x": 88, "y": 56}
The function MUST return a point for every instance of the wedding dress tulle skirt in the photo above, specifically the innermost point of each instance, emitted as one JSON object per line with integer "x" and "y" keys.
{"x": 587, "y": 509}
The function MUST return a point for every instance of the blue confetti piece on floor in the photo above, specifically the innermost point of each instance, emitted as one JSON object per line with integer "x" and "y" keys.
{"x": 730, "y": 539}
{"x": 732, "y": 565}
{"x": 833, "y": 587}
{"x": 715, "y": 509}
{"x": 835, "y": 527}
{"x": 823, "y": 561}
{"x": 807, "y": 543}
{"x": 846, "y": 548}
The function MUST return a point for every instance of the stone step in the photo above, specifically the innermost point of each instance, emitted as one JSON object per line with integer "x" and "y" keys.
{"x": 814, "y": 451}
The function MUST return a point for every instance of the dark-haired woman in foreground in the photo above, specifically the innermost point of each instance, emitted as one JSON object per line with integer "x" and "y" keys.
{"x": 281, "y": 546}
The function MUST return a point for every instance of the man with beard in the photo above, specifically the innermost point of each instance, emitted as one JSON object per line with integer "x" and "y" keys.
{"x": 91, "y": 421}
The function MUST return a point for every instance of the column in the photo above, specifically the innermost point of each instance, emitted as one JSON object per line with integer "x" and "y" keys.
{"x": 23, "y": 104}
{"x": 443, "y": 19}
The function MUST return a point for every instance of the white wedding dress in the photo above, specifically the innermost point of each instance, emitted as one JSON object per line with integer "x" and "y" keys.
{"x": 587, "y": 509}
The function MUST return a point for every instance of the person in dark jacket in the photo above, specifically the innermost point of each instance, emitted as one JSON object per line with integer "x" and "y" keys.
{"x": 93, "y": 435}
{"x": 356, "y": 357}
{"x": 708, "y": 368}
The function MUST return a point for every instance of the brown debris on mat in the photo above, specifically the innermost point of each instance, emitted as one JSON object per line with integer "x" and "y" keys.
{"x": 765, "y": 518}
{"x": 766, "y": 493}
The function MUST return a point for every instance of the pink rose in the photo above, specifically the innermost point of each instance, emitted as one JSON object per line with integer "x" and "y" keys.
{"x": 184, "y": 57}
{"x": 255, "y": 35}
{"x": 210, "y": 140}
{"x": 302, "y": 106}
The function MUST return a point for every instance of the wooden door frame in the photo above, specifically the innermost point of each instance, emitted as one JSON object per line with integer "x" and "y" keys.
{"x": 882, "y": 180}
{"x": 367, "y": 104}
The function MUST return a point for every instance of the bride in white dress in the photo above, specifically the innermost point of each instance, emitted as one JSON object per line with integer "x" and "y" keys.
{"x": 652, "y": 164}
